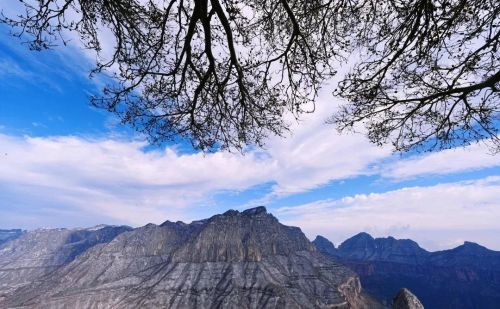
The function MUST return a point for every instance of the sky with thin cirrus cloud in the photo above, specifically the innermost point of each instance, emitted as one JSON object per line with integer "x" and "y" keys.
{"x": 66, "y": 164}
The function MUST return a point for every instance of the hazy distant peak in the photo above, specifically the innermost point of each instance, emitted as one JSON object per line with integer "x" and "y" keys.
{"x": 106, "y": 226}
{"x": 322, "y": 239}
{"x": 359, "y": 240}
{"x": 472, "y": 248}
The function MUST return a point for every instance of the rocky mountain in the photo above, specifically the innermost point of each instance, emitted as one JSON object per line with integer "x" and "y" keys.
{"x": 6, "y": 235}
{"x": 37, "y": 253}
{"x": 465, "y": 277}
{"x": 324, "y": 245}
{"x": 364, "y": 247}
{"x": 233, "y": 260}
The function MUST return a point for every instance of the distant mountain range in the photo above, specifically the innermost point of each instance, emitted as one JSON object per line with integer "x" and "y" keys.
{"x": 6, "y": 235}
{"x": 465, "y": 277}
{"x": 233, "y": 260}
{"x": 237, "y": 260}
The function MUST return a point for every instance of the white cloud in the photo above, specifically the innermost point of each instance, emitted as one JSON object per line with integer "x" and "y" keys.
{"x": 461, "y": 159}
{"x": 436, "y": 216}
{"x": 117, "y": 180}
{"x": 317, "y": 154}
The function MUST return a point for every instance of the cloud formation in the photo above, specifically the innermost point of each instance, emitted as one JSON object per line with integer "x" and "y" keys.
{"x": 439, "y": 217}
{"x": 117, "y": 180}
{"x": 460, "y": 159}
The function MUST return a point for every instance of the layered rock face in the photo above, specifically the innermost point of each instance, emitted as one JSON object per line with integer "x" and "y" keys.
{"x": 465, "y": 277}
{"x": 234, "y": 260}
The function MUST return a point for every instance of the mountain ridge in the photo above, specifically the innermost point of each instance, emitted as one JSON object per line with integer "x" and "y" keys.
{"x": 461, "y": 277}
{"x": 236, "y": 259}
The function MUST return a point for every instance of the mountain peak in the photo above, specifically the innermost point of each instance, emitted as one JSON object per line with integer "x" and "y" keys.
{"x": 363, "y": 236}
{"x": 324, "y": 245}
{"x": 320, "y": 238}
{"x": 255, "y": 211}
{"x": 243, "y": 236}
{"x": 361, "y": 239}
{"x": 364, "y": 246}
{"x": 470, "y": 244}
{"x": 471, "y": 248}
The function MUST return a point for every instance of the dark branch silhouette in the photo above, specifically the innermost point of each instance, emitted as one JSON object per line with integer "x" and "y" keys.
{"x": 221, "y": 72}
{"x": 224, "y": 73}
{"x": 432, "y": 75}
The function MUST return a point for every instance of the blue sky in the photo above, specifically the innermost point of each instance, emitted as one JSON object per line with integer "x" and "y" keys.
{"x": 66, "y": 164}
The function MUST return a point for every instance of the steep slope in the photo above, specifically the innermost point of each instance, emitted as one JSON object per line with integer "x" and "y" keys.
{"x": 465, "y": 277}
{"x": 37, "y": 253}
{"x": 234, "y": 260}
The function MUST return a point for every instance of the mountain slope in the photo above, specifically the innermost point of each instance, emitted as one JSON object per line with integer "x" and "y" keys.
{"x": 234, "y": 260}
{"x": 37, "y": 253}
{"x": 465, "y": 277}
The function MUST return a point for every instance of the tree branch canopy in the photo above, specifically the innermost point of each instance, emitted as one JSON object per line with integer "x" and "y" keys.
{"x": 219, "y": 72}
{"x": 432, "y": 75}
{"x": 224, "y": 73}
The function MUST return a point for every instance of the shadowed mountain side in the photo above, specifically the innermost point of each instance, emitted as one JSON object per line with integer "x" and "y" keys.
{"x": 465, "y": 277}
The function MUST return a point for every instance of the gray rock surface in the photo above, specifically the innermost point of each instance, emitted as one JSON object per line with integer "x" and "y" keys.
{"x": 37, "y": 253}
{"x": 406, "y": 300}
{"x": 234, "y": 260}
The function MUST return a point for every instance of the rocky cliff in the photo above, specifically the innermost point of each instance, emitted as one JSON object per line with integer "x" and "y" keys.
{"x": 406, "y": 300}
{"x": 233, "y": 260}
{"x": 465, "y": 277}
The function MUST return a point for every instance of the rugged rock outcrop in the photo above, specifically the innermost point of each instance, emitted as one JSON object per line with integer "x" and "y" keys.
{"x": 234, "y": 260}
{"x": 406, "y": 300}
{"x": 465, "y": 277}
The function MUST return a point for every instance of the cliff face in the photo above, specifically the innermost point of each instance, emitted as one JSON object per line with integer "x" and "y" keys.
{"x": 234, "y": 260}
{"x": 465, "y": 277}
